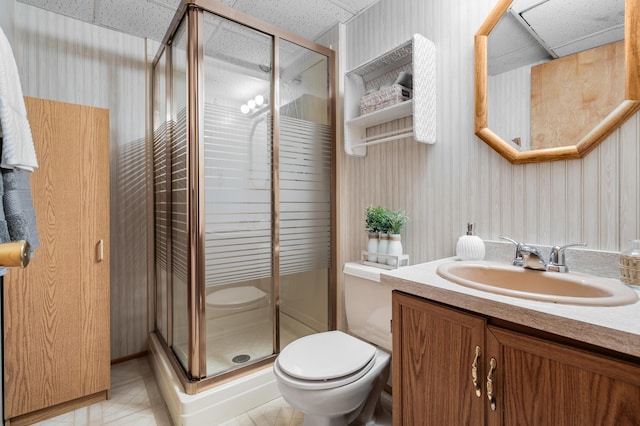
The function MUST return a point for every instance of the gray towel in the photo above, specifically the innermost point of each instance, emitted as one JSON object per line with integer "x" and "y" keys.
{"x": 4, "y": 229}
{"x": 19, "y": 214}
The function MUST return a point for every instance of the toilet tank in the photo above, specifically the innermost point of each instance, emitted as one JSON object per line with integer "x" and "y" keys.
{"x": 367, "y": 305}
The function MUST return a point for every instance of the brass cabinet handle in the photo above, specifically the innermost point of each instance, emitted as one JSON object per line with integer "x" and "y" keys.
{"x": 100, "y": 250}
{"x": 492, "y": 399}
{"x": 474, "y": 373}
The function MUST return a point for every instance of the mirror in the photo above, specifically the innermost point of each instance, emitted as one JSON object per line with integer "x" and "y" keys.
{"x": 543, "y": 78}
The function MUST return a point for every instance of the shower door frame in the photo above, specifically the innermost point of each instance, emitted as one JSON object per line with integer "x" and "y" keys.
{"x": 194, "y": 378}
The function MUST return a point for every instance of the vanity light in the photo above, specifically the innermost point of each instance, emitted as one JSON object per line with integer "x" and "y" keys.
{"x": 251, "y": 103}
{"x": 245, "y": 109}
{"x": 259, "y": 100}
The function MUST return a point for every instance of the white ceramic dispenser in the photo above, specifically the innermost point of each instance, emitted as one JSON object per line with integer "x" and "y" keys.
{"x": 470, "y": 247}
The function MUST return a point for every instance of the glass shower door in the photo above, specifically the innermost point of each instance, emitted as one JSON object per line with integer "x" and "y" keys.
{"x": 238, "y": 148}
{"x": 305, "y": 153}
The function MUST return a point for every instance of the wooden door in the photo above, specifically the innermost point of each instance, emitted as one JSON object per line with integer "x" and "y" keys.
{"x": 433, "y": 353}
{"x": 56, "y": 311}
{"x": 544, "y": 383}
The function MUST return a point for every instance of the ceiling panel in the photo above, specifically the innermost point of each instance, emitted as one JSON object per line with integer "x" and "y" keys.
{"x": 142, "y": 18}
{"x": 78, "y": 9}
{"x": 151, "y": 18}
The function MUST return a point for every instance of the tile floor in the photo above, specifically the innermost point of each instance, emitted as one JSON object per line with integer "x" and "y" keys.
{"x": 136, "y": 400}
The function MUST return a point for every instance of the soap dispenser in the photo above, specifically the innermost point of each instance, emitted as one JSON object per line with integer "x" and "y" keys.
{"x": 470, "y": 247}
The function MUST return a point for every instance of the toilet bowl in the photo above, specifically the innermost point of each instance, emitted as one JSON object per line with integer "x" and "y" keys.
{"x": 336, "y": 378}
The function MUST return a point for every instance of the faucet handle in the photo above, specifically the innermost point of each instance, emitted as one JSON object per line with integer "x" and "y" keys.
{"x": 517, "y": 258}
{"x": 556, "y": 258}
{"x": 509, "y": 239}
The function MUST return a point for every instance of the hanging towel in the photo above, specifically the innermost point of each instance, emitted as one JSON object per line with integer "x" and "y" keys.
{"x": 17, "y": 156}
{"x": 19, "y": 214}
{"x": 18, "y": 150}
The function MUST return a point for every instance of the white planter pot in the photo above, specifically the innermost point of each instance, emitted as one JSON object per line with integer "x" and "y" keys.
{"x": 372, "y": 246}
{"x": 394, "y": 248}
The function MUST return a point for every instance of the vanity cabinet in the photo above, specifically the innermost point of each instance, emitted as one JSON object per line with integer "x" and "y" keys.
{"x": 416, "y": 56}
{"x": 522, "y": 378}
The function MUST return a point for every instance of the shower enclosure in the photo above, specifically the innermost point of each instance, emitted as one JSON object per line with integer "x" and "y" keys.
{"x": 244, "y": 192}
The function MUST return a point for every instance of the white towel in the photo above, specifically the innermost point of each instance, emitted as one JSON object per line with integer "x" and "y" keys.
{"x": 17, "y": 143}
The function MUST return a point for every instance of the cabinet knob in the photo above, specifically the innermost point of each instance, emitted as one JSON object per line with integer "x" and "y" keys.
{"x": 474, "y": 373}
{"x": 490, "y": 391}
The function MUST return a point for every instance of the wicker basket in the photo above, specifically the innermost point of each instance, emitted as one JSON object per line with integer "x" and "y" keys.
{"x": 384, "y": 98}
{"x": 630, "y": 269}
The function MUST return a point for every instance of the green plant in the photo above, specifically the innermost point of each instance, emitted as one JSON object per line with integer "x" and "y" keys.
{"x": 375, "y": 218}
{"x": 397, "y": 219}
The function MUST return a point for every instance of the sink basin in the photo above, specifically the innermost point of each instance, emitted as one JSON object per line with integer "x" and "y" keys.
{"x": 566, "y": 288}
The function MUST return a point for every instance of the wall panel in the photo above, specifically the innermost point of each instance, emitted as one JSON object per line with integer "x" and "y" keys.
{"x": 67, "y": 60}
{"x": 460, "y": 178}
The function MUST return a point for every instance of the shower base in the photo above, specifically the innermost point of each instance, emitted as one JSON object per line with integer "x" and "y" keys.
{"x": 245, "y": 333}
{"x": 230, "y": 399}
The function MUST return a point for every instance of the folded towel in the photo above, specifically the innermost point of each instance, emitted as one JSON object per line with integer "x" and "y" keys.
{"x": 18, "y": 150}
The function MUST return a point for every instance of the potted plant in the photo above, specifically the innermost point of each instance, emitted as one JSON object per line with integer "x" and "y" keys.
{"x": 374, "y": 220}
{"x": 397, "y": 219}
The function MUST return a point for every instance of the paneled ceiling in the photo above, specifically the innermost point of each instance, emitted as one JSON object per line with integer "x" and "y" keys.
{"x": 151, "y": 18}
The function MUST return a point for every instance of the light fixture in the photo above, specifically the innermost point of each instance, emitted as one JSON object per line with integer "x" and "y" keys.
{"x": 256, "y": 103}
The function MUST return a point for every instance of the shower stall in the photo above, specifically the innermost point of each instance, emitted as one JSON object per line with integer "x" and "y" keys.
{"x": 243, "y": 119}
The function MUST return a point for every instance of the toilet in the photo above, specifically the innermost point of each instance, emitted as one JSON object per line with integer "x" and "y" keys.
{"x": 337, "y": 378}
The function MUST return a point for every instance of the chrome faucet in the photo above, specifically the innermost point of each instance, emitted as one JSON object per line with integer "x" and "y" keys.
{"x": 530, "y": 257}
{"x": 527, "y": 256}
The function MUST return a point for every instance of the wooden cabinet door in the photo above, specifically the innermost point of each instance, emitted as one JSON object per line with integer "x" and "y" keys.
{"x": 433, "y": 353}
{"x": 56, "y": 311}
{"x": 544, "y": 383}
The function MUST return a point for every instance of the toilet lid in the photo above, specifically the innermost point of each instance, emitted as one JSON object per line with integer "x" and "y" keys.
{"x": 235, "y": 296}
{"x": 325, "y": 356}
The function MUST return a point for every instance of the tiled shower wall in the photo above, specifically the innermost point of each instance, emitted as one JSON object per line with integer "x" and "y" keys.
{"x": 67, "y": 60}
{"x": 442, "y": 186}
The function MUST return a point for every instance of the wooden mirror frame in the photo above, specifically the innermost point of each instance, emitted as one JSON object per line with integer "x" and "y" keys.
{"x": 626, "y": 109}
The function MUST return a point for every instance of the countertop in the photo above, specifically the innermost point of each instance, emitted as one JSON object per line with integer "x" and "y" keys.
{"x": 616, "y": 328}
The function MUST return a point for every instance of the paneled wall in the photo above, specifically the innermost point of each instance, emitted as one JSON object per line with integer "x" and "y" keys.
{"x": 71, "y": 61}
{"x": 458, "y": 179}
{"x": 6, "y": 19}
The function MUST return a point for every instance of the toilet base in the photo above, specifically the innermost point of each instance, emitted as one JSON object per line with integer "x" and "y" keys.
{"x": 382, "y": 416}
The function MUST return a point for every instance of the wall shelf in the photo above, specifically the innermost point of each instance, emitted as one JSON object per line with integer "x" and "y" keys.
{"x": 416, "y": 56}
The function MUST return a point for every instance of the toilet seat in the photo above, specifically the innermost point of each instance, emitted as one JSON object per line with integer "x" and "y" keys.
{"x": 235, "y": 297}
{"x": 325, "y": 360}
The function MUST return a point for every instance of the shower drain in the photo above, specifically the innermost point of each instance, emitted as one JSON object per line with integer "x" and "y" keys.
{"x": 239, "y": 359}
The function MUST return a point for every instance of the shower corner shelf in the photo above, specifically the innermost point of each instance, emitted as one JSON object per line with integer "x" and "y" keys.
{"x": 418, "y": 53}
